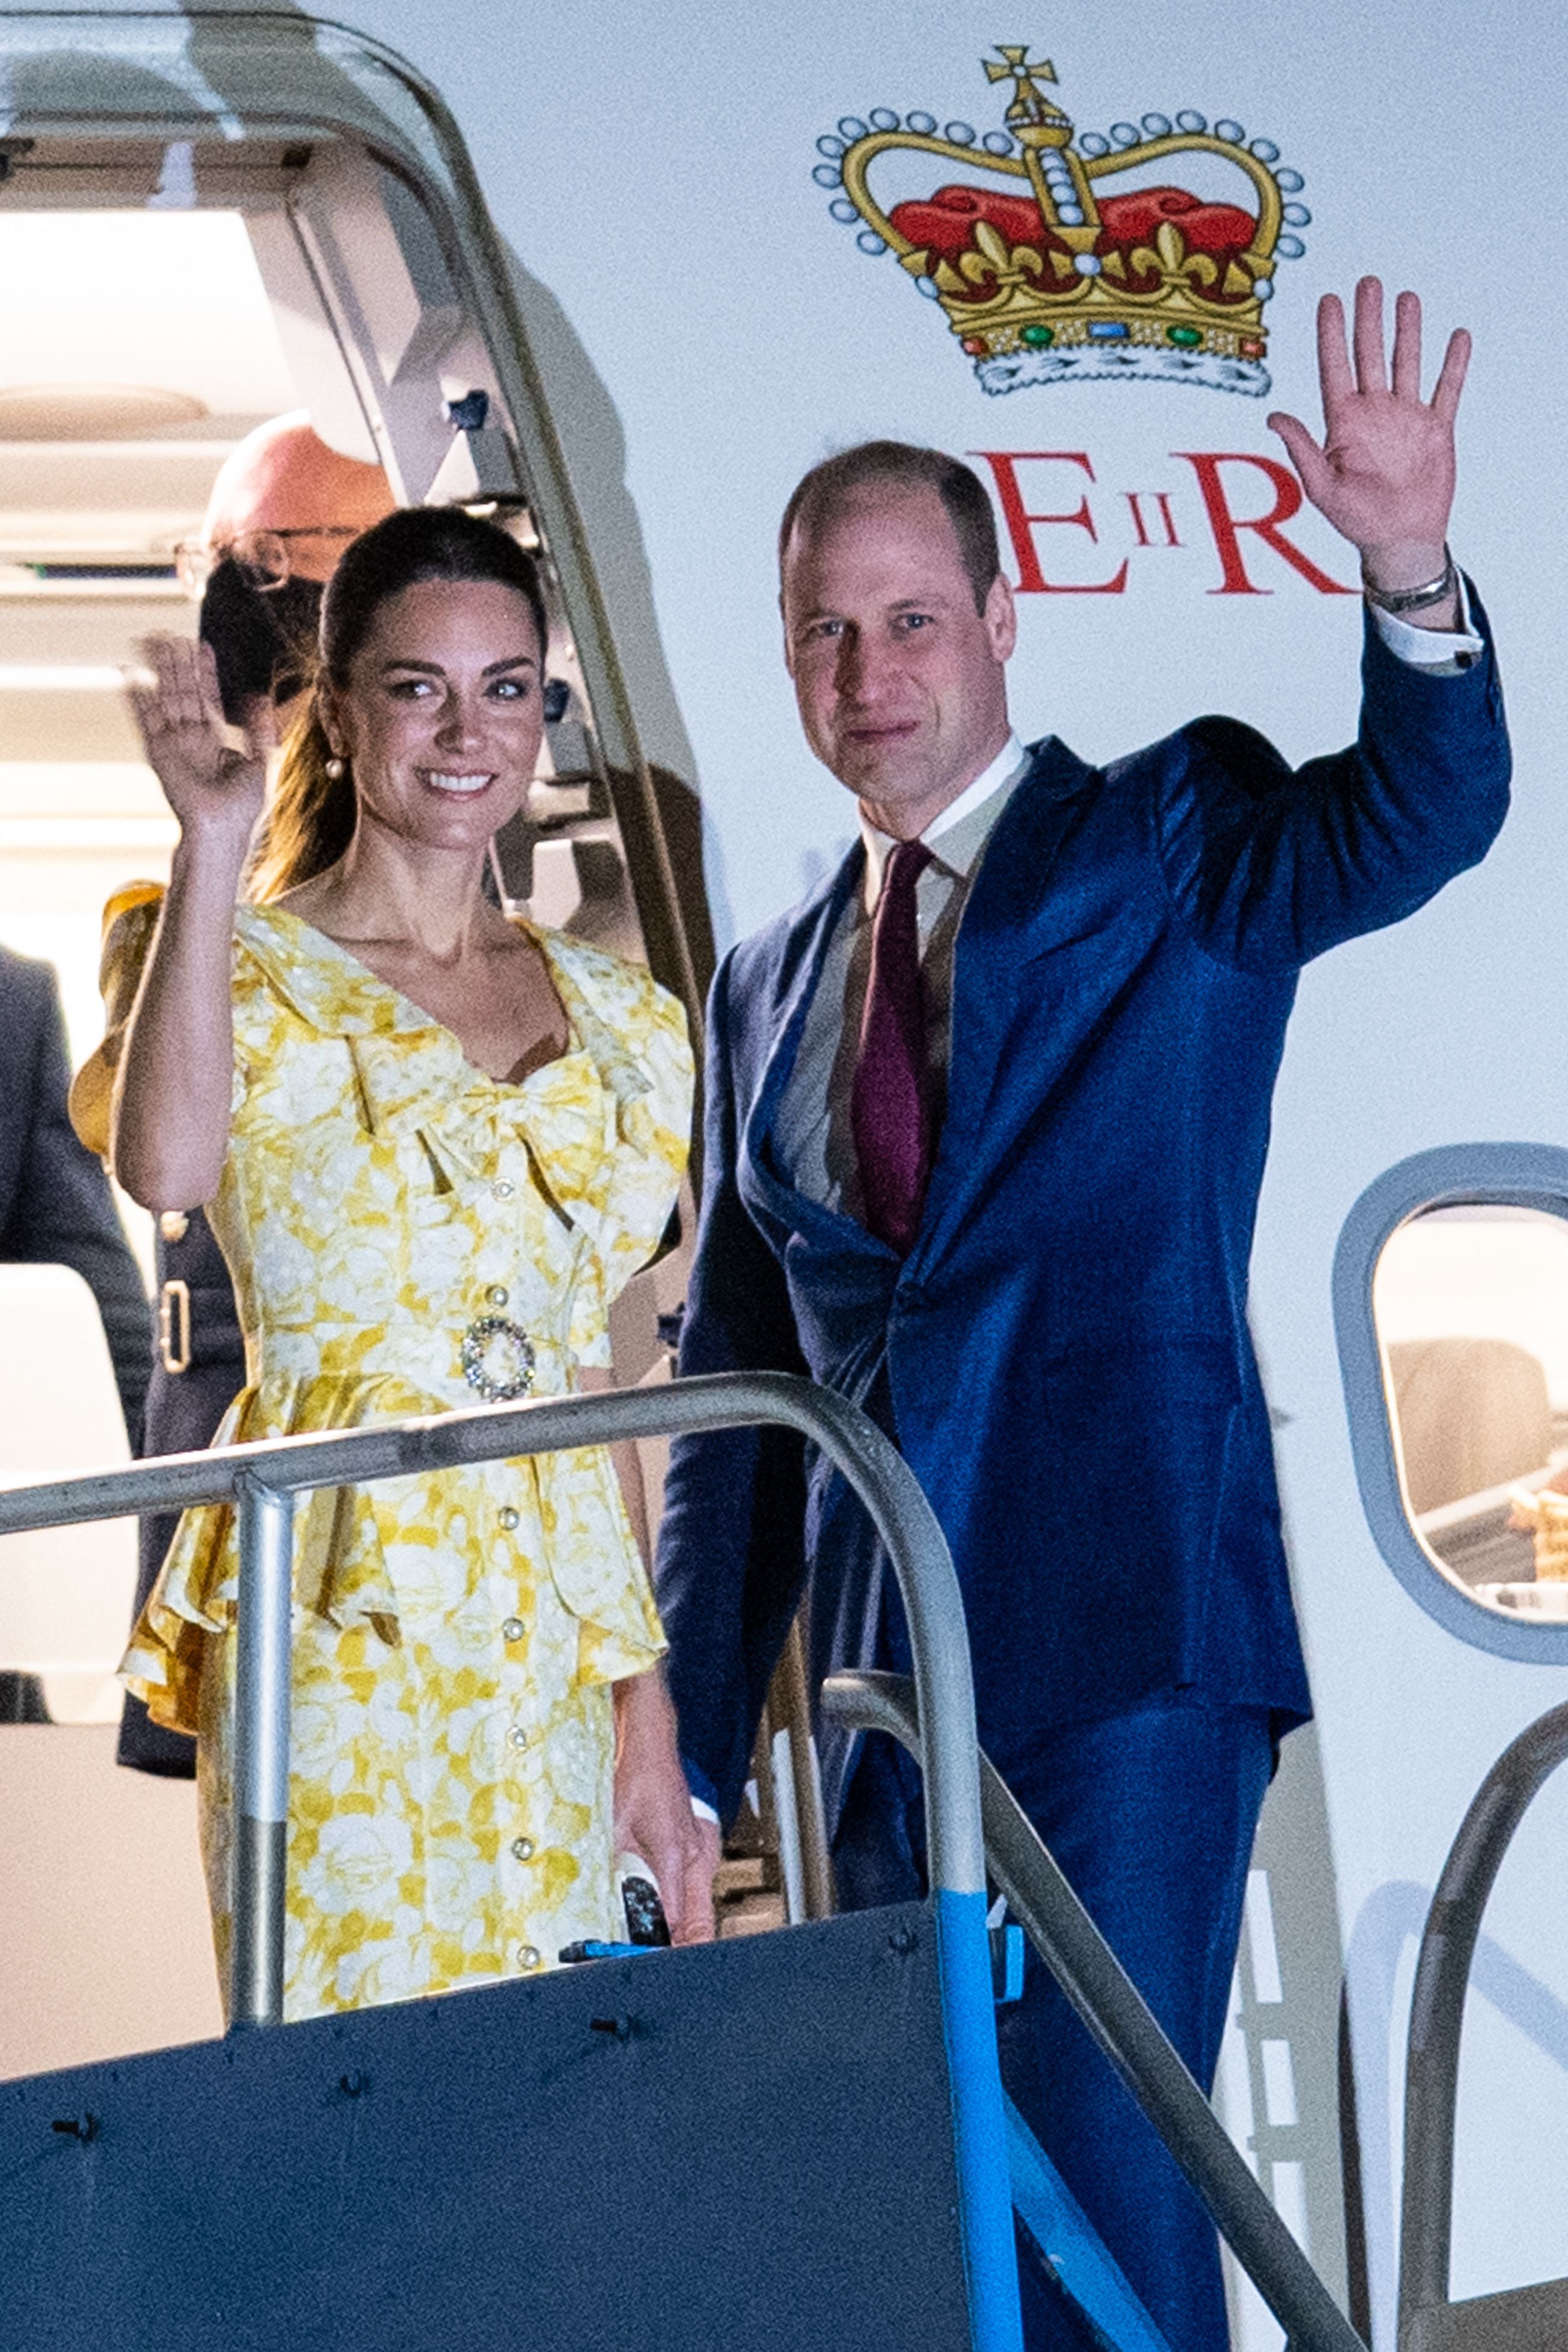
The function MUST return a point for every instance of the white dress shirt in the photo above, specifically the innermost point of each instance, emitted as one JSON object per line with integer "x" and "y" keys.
{"x": 815, "y": 1140}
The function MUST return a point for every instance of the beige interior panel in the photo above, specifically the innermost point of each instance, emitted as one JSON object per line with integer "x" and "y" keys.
{"x": 104, "y": 1943}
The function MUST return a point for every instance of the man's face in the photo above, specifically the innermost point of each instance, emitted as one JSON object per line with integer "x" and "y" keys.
{"x": 289, "y": 480}
{"x": 902, "y": 683}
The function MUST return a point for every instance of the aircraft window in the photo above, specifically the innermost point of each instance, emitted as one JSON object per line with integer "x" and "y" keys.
{"x": 1472, "y": 1309}
{"x": 1451, "y": 1313}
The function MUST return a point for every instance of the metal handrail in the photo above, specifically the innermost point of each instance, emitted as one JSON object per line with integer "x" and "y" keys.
{"x": 1116, "y": 2014}
{"x": 260, "y": 1480}
{"x": 1437, "y": 2008}
{"x": 254, "y": 1478}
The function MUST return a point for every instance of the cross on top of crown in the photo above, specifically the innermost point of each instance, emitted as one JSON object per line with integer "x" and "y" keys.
{"x": 1029, "y": 102}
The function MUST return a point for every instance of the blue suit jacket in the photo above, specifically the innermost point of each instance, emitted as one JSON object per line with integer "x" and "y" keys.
{"x": 1064, "y": 1357}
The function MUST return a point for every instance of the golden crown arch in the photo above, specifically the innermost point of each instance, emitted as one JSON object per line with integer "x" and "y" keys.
{"x": 1050, "y": 272}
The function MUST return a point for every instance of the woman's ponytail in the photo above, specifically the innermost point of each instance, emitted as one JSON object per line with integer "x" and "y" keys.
{"x": 310, "y": 811}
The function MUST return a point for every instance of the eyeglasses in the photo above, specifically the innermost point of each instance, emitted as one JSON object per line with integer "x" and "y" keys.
{"x": 263, "y": 556}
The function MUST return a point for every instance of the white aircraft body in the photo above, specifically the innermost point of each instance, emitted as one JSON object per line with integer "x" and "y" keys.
{"x": 624, "y": 273}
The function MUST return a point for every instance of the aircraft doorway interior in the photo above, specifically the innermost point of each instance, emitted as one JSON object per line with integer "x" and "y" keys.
{"x": 143, "y": 347}
{"x": 206, "y": 223}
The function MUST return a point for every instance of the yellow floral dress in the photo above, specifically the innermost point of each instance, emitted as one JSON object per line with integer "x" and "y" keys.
{"x": 456, "y": 1635}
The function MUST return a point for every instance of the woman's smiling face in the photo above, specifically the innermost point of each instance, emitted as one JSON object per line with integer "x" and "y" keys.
{"x": 442, "y": 716}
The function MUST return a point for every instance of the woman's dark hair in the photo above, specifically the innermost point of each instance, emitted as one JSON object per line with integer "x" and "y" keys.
{"x": 310, "y": 817}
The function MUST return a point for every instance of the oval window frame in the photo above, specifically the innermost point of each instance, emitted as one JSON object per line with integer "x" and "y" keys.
{"x": 1460, "y": 1175}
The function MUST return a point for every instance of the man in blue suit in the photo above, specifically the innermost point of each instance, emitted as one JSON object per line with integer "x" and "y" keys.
{"x": 987, "y": 1124}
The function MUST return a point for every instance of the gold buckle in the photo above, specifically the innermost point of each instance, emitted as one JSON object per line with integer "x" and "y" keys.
{"x": 174, "y": 1301}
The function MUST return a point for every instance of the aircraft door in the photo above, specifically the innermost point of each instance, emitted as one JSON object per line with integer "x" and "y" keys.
{"x": 391, "y": 298}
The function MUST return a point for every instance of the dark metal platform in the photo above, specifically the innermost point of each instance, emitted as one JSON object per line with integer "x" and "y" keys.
{"x": 749, "y": 2143}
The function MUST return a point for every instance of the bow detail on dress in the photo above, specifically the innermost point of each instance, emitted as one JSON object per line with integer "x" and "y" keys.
{"x": 625, "y": 1081}
{"x": 425, "y": 1084}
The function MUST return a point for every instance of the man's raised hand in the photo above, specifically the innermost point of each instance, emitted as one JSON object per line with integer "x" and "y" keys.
{"x": 1383, "y": 474}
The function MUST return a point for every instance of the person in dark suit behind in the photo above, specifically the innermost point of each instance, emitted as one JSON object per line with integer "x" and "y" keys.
{"x": 283, "y": 508}
{"x": 55, "y": 1208}
{"x": 987, "y": 1121}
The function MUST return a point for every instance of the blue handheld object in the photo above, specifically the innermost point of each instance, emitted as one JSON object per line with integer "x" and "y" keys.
{"x": 1008, "y": 1962}
{"x": 570, "y": 1954}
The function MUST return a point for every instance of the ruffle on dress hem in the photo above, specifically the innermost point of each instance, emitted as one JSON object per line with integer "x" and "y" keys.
{"x": 571, "y": 1526}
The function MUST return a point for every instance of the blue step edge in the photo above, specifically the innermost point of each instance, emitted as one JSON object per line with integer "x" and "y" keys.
{"x": 1054, "y": 2219}
{"x": 979, "y": 2130}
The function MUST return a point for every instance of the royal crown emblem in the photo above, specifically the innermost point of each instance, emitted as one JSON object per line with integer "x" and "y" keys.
{"x": 1075, "y": 257}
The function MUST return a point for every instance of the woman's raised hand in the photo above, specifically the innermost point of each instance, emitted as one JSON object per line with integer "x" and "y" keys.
{"x": 210, "y": 785}
{"x": 172, "y": 1105}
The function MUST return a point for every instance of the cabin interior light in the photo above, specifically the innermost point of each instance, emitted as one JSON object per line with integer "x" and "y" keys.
{"x": 61, "y": 678}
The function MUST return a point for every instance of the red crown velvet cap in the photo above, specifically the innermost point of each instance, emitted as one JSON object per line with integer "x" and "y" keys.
{"x": 944, "y": 225}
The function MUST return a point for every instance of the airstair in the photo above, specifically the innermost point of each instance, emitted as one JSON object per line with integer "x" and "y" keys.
{"x": 1532, "y": 2318}
{"x": 798, "y": 2139}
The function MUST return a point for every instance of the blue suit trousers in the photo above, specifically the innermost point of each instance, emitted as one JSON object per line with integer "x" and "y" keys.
{"x": 1151, "y": 1813}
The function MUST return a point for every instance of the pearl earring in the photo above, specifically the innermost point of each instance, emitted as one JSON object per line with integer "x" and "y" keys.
{"x": 337, "y": 769}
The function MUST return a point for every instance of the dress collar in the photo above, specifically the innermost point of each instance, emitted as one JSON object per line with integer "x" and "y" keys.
{"x": 329, "y": 986}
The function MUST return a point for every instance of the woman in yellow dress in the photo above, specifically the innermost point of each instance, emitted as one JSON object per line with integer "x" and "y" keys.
{"x": 434, "y": 1145}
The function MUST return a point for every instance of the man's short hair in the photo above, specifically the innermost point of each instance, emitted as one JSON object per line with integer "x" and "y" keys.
{"x": 904, "y": 466}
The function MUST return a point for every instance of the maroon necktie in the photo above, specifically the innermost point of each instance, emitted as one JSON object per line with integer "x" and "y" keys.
{"x": 890, "y": 1104}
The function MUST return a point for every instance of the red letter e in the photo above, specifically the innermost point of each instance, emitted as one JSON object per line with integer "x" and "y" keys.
{"x": 1032, "y": 580}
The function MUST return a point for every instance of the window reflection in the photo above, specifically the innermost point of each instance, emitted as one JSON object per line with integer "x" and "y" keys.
{"x": 1471, "y": 1308}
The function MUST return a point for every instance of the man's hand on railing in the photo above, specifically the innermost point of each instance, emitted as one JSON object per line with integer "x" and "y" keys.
{"x": 653, "y": 1808}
